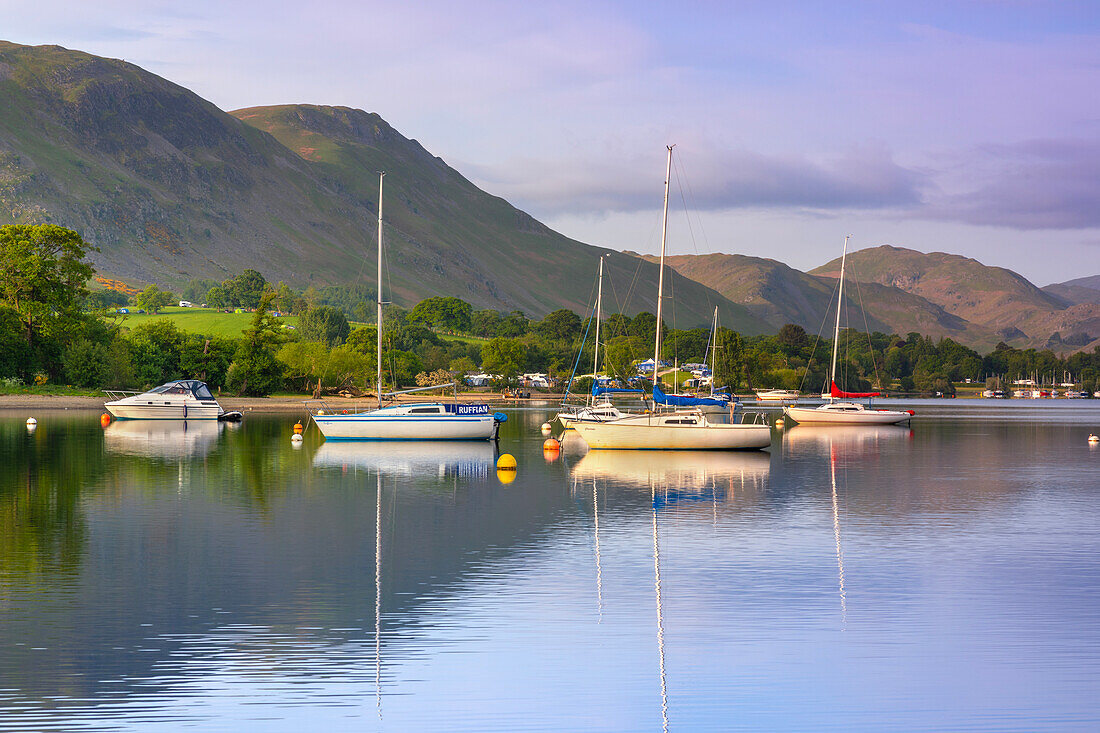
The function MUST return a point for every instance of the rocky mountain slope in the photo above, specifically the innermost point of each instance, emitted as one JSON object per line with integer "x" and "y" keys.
{"x": 170, "y": 187}
{"x": 1081, "y": 290}
{"x": 990, "y": 297}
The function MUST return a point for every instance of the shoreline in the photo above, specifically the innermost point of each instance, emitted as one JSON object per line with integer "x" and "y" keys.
{"x": 263, "y": 404}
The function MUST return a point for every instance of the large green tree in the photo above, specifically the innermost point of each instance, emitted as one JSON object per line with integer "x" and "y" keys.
{"x": 728, "y": 358}
{"x": 449, "y": 314}
{"x": 325, "y": 324}
{"x": 152, "y": 299}
{"x": 255, "y": 370}
{"x": 504, "y": 356}
{"x": 43, "y": 275}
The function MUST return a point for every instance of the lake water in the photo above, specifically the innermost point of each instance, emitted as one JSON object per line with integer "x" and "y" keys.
{"x": 217, "y": 578}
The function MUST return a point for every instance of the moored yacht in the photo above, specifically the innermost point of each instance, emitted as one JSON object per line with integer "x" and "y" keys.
{"x": 183, "y": 399}
{"x": 844, "y": 413}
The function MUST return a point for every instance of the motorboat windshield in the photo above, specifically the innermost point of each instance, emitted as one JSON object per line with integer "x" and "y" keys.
{"x": 184, "y": 387}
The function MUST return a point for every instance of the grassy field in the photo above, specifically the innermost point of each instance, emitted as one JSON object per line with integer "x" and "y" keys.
{"x": 206, "y": 321}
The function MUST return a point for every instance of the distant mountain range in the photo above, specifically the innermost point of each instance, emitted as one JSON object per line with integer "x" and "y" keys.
{"x": 898, "y": 290}
{"x": 170, "y": 187}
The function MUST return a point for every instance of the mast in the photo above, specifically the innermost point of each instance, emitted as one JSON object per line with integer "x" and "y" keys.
{"x": 599, "y": 305}
{"x": 839, "y": 300}
{"x": 713, "y": 348}
{"x": 661, "y": 276}
{"x": 381, "y": 175}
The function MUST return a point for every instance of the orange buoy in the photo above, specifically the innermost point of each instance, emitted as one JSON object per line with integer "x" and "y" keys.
{"x": 105, "y": 419}
{"x": 551, "y": 444}
{"x": 298, "y": 429}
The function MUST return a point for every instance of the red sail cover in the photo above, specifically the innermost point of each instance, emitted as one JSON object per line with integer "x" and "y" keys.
{"x": 836, "y": 391}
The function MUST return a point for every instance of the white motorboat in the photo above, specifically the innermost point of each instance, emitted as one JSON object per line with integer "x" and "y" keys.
{"x": 777, "y": 395}
{"x": 844, "y": 413}
{"x": 421, "y": 421}
{"x": 183, "y": 399}
{"x": 687, "y": 428}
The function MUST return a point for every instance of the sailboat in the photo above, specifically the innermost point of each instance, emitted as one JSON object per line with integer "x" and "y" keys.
{"x": 682, "y": 429}
{"x": 845, "y": 412}
{"x": 413, "y": 421}
{"x": 602, "y": 410}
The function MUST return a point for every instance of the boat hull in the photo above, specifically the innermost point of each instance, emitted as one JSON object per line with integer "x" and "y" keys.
{"x": 817, "y": 416}
{"x": 638, "y": 435}
{"x": 406, "y": 427}
{"x": 120, "y": 410}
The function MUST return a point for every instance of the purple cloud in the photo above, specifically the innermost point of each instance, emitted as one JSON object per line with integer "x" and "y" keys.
{"x": 715, "y": 180}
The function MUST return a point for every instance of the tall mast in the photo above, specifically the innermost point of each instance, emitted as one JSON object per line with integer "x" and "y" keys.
{"x": 661, "y": 277}
{"x": 599, "y": 304}
{"x": 839, "y": 300}
{"x": 381, "y": 175}
{"x": 713, "y": 348}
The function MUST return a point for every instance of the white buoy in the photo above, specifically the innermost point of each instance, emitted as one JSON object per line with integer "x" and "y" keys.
{"x": 296, "y": 438}
{"x": 546, "y": 428}
{"x": 1094, "y": 439}
{"x": 31, "y": 421}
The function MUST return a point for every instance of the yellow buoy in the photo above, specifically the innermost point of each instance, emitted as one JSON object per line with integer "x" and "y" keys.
{"x": 298, "y": 429}
{"x": 506, "y": 462}
{"x": 506, "y": 476}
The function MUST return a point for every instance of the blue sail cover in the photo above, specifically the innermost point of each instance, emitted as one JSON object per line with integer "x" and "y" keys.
{"x": 659, "y": 396}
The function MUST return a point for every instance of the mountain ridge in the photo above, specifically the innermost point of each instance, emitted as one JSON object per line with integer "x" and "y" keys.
{"x": 170, "y": 187}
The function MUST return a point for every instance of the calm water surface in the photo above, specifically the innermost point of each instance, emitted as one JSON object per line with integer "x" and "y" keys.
{"x": 154, "y": 577}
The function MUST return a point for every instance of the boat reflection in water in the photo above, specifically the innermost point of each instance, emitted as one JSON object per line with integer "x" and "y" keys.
{"x": 169, "y": 439}
{"x": 680, "y": 469}
{"x": 847, "y": 440}
{"x": 413, "y": 459}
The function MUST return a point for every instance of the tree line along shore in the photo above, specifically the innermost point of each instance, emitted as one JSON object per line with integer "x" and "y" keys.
{"x": 57, "y": 329}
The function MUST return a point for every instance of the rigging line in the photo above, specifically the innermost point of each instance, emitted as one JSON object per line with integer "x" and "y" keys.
{"x": 687, "y": 218}
{"x": 867, "y": 327}
{"x": 817, "y": 340}
{"x": 687, "y": 213}
{"x": 694, "y": 204}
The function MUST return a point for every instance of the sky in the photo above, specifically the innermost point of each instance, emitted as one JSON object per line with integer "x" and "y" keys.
{"x": 970, "y": 127}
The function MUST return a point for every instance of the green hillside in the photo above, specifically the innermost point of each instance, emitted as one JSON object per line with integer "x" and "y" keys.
{"x": 170, "y": 187}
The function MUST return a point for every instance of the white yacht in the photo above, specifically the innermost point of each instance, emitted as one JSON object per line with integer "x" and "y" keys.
{"x": 679, "y": 430}
{"x": 844, "y": 413}
{"x": 420, "y": 421}
{"x": 184, "y": 399}
{"x": 599, "y": 412}
{"x": 414, "y": 421}
{"x": 687, "y": 428}
{"x": 777, "y": 395}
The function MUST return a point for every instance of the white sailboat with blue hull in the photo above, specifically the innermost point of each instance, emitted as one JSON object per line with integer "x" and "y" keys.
{"x": 418, "y": 421}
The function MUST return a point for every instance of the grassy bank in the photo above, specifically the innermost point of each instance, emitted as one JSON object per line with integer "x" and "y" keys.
{"x": 207, "y": 321}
